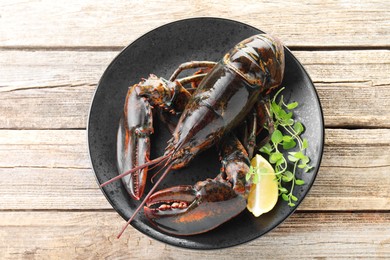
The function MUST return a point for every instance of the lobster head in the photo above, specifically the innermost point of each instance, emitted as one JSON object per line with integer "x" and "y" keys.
{"x": 260, "y": 60}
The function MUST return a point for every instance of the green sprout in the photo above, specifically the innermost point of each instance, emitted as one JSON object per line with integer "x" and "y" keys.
{"x": 285, "y": 138}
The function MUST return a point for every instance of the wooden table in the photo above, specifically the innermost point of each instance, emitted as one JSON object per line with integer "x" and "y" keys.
{"x": 52, "y": 55}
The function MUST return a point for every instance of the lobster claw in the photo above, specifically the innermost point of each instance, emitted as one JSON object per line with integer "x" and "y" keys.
{"x": 189, "y": 210}
{"x": 133, "y": 141}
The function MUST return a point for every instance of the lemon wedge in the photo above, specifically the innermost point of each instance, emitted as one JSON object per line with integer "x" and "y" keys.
{"x": 264, "y": 194}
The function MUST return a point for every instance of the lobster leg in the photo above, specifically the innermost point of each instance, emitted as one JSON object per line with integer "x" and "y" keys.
{"x": 251, "y": 142}
{"x": 265, "y": 125}
{"x": 191, "y": 65}
{"x": 257, "y": 129}
{"x": 189, "y": 210}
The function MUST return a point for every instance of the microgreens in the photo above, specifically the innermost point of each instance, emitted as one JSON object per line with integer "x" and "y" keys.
{"x": 285, "y": 138}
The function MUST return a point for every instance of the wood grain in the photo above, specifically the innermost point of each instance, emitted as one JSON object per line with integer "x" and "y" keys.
{"x": 354, "y": 87}
{"x": 88, "y": 24}
{"x": 80, "y": 235}
{"x": 52, "y": 55}
{"x": 46, "y": 169}
{"x": 30, "y": 188}
{"x": 48, "y": 149}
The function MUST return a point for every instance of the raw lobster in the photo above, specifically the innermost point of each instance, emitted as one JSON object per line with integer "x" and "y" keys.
{"x": 223, "y": 99}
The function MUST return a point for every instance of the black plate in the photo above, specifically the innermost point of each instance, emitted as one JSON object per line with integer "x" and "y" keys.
{"x": 160, "y": 52}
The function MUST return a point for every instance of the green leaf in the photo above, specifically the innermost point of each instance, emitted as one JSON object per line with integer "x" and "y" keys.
{"x": 288, "y": 122}
{"x": 277, "y": 137}
{"x": 287, "y": 138}
{"x": 292, "y": 158}
{"x": 285, "y": 197}
{"x": 298, "y": 155}
{"x": 288, "y": 145}
{"x": 282, "y": 115}
{"x": 294, "y": 198}
{"x": 288, "y": 116}
{"x": 299, "y": 182}
{"x": 308, "y": 168}
{"x": 279, "y": 162}
{"x": 305, "y": 160}
{"x": 292, "y": 105}
{"x": 275, "y": 108}
{"x": 248, "y": 176}
{"x": 255, "y": 178}
{"x": 283, "y": 190}
{"x": 305, "y": 143}
{"x": 291, "y": 204}
{"x": 298, "y": 127}
{"x": 267, "y": 149}
{"x": 287, "y": 176}
{"x": 274, "y": 157}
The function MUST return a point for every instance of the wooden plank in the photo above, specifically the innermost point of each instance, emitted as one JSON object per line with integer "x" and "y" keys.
{"x": 347, "y": 66}
{"x": 50, "y": 188}
{"x": 83, "y": 235}
{"x": 91, "y": 23}
{"x": 50, "y": 169}
{"x": 344, "y": 188}
{"x": 353, "y": 86}
{"x": 354, "y": 104}
{"x": 28, "y": 69}
{"x": 47, "y": 149}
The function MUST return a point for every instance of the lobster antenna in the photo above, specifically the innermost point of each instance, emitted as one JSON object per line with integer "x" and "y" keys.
{"x": 158, "y": 172}
{"x": 158, "y": 164}
{"x": 154, "y": 161}
{"x": 144, "y": 201}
